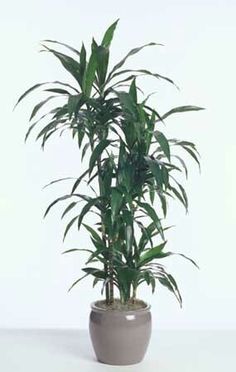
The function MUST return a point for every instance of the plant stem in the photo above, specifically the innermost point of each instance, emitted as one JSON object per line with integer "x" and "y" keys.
{"x": 111, "y": 274}
{"x": 106, "y": 268}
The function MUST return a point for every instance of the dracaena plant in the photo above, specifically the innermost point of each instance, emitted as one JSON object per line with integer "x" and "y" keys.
{"x": 133, "y": 168}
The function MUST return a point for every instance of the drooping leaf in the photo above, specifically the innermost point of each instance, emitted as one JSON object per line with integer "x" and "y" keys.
{"x": 63, "y": 44}
{"x": 191, "y": 152}
{"x": 39, "y": 105}
{"x": 152, "y": 214}
{"x": 86, "y": 209}
{"x": 181, "y": 109}
{"x": 55, "y": 202}
{"x": 77, "y": 182}
{"x": 68, "y": 227}
{"x": 93, "y": 233}
{"x": 77, "y": 281}
{"x": 58, "y": 180}
{"x": 131, "y": 53}
{"x": 69, "y": 208}
{"x": 95, "y": 272}
{"x": 77, "y": 249}
{"x": 70, "y": 64}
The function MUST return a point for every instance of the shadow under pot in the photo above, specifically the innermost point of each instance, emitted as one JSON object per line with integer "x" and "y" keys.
{"x": 120, "y": 337}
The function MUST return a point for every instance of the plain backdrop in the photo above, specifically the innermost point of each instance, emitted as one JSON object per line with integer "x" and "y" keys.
{"x": 200, "y": 55}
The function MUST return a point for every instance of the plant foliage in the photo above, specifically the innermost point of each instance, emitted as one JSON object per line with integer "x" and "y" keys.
{"x": 136, "y": 167}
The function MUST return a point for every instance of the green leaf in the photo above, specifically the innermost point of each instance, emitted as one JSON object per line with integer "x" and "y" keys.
{"x": 133, "y": 90}
{"x": 93, "y": 233}
{"x": 63, "y": 44}
{"x": 107, "y": 38}
{"x": 152, "y": 254}
{"x": 39, "y": 85}
{"x": 77, "y": 182}
{"x": 146, "y": 236}
{"x": 194, "y": 156}
{"x": 97, "y": 152}
{"x": 131, "y": 53}
{"x": 77, "y": 281}
{"x": 73, "y": 102}
{"x": 95, "y": 272}
{"x": 187, "y": 258}
{"x": 27, "y": 92}
{"x": 39, "y": 105}
{"x": 77, "y": 249}
{"x": 116, "y": 201}
{"x": 182, "y": 163}
{"x": 165, "y": 281}
{"x": 68, "y": 209}
{"x": 71, "y": 65}
{"x": 102, "y": 63}
{"x": 181, "y": 109}
{"x": 55, "y": 202}
{"x": 58, "y": 180}
{"x": 89, "y": 76}
{"x": 127, "y": 102}
{"x": 178, "y": 195}
{"x": 68, "y": 227}
{"x": 83, "y": 63}
{"x": 152, "y": 214}
{"x": 155, "y": 169}
{"x": 86, "y": 209}
{"x": 163, "y": 142}
{"x": 57, "y": 90}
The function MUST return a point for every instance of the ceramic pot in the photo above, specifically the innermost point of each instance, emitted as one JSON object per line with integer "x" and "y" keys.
{"x": 120, "y": 337}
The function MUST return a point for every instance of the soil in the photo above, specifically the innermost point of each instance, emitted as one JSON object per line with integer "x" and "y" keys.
{"x": 117, "y": 305}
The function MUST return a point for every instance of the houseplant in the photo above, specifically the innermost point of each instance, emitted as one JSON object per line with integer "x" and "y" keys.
{"x": 133, "y": 172}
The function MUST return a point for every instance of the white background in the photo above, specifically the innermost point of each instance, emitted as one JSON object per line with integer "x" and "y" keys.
{"x": 200, "y": 55}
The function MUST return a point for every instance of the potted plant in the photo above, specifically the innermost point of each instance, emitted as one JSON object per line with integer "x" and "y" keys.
{"x": 133, "y": 171}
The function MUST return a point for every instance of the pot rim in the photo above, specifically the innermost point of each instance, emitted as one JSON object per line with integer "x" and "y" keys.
{"x": 99, "y": 309}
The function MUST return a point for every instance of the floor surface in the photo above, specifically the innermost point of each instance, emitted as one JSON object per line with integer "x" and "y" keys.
{"x": 71, "y": 351}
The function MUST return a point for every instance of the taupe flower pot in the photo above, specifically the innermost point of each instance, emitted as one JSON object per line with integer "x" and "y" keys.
{"x": 120, "y": 337}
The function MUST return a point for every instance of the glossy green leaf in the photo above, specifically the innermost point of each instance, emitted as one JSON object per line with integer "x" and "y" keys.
{"x": 107, "y": 38}
{"x": 152, "y": 214}
{"x": 89, "y": 76}
{"x": 153, "y": 253}
{"x": 116, "y": 201}
{"x": 70, "y": 64}
{"x": 97, "y": 152}
{"x": 93, "y": 233}
{"x": 163, "y": 142}
{"x": 133, "y": 91}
